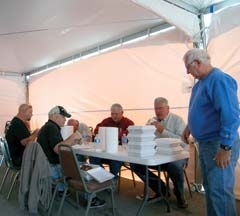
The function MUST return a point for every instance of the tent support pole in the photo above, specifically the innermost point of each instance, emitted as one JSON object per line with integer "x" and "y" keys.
{"x": 199, "y": 44}
{"x": 26, "y": 80}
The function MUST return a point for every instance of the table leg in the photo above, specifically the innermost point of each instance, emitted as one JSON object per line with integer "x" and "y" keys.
{"x": 145, "y": 197}
{"x": 160, "y": 191}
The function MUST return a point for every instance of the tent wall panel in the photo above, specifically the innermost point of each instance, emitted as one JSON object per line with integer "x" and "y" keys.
{"x": 12, "y": 94}
{"x": 132, "y": 77}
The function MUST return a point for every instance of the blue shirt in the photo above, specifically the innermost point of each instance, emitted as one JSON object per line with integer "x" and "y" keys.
{"x": 214, "y": 108}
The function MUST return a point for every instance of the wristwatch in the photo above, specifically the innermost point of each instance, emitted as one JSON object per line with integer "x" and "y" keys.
{"x": 225, "y": 147}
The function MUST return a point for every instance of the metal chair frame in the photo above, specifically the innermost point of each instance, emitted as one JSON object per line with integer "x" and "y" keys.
{"x": 10, "y": 167}
{"x": 126, "y": 166}
{"x": 74, "y": 179}
{"x": 166, "y": 176}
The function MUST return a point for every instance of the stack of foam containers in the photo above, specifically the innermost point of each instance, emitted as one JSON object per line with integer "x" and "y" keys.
{"x": 141, "y": 141}
{"x": 168, "y": 146}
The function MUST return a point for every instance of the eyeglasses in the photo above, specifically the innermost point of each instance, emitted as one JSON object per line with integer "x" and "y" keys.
{"x": 189, "y": 65}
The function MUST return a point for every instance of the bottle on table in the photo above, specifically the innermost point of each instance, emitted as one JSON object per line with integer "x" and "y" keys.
{"x": 97, "y": 141}
{"x": 124, "y": 141}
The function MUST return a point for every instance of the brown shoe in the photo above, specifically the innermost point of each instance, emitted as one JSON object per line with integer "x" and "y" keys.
{"x": 181, "y": 202}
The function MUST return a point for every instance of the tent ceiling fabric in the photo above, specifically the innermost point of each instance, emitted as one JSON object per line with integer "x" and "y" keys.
{"x": 166, "y": 11}
{"x": 219, "y": 24}
{"x": 35, "y": 33}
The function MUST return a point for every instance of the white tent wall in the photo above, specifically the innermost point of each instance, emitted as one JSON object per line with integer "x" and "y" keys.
{"x": 131, "y": 76}
{"x": 225, "y": 52}
{"x": 12, "y": 94}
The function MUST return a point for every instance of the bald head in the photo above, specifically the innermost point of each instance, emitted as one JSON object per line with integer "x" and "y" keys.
{"x": 74, "y": 123}
{"x": 25, "y": 112}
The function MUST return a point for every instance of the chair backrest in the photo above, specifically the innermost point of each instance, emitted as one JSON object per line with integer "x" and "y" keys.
{"x": 69, "y": 164}
{"x": 6, "y": 152}
{"x": 7, "y": 125}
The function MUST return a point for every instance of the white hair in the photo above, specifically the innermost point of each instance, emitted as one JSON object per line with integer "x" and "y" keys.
{"x": 161, "y": 100}
{"x": 196, "y": 54}
{"x": 117, "y": 105}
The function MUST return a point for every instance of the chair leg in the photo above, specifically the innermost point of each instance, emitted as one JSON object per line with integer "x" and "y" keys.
{"x": 89, "y": 202}
{"x": 166, "y": 176}
{"x": 1, "y": 160}
{"x": 113, "y": 203}
{"x": 4, "y": 178}
{"x": 13, "y": 183}
{"x": 52, "y": 201}
{"x": 77, "y": 198}
{"x": 119, "y": 181}
{"x": 133, "y": 178}
{"x": 62, "y": 200}
{"x": 188, "y": 184}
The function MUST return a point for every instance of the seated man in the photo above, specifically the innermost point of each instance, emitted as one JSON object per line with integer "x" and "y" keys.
{"x": 83, "y": 129}
{"x": 116, "y": 120}
{"x": 85, "y": 132}
{"x": 50, "y": 138}
{"x": 167, "y": 125}
{"x": 18, "y": 135}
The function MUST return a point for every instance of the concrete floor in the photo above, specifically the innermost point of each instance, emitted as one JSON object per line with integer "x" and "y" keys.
{"x": 126, "y": 203}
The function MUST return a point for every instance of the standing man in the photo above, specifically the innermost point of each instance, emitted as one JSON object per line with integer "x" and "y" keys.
{"x": 167, "y": 125}
{"x": 18, "y": 134}
{"x": 213, "y": 120}
{"x": 119, "y": 121}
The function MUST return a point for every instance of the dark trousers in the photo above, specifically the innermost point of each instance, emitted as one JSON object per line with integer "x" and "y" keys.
{"x": 115, "y": 166}
{"x": 174, "y": 170}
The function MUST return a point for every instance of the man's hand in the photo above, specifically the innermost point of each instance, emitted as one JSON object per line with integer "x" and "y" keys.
{"x": 158, "y": 126}
{"x": 35, "y": 132}
{"x": 185, "y": 135}
{"x": 222, "y": 158}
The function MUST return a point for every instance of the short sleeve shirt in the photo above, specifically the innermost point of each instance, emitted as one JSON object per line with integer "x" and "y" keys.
{"x": 49, "y": 136}
{"x": 16, "y": 132}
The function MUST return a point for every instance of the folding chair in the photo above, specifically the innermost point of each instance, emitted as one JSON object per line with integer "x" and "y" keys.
{"x": 126, "y": 166}
{"x": 9, "y": 165}
{"x": 166, "y": 176}
{"x": 74, "y": 179}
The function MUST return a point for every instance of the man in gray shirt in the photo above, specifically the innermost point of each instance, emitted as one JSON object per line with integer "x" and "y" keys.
{"x": 168, "y": 125}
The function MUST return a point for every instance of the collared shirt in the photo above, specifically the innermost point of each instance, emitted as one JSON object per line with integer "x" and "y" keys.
{"x": 49, "y": 136}
{"x": 214, "y": 108}
{"x": 173, "y": 126}
{"x": 122, "y": 125}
